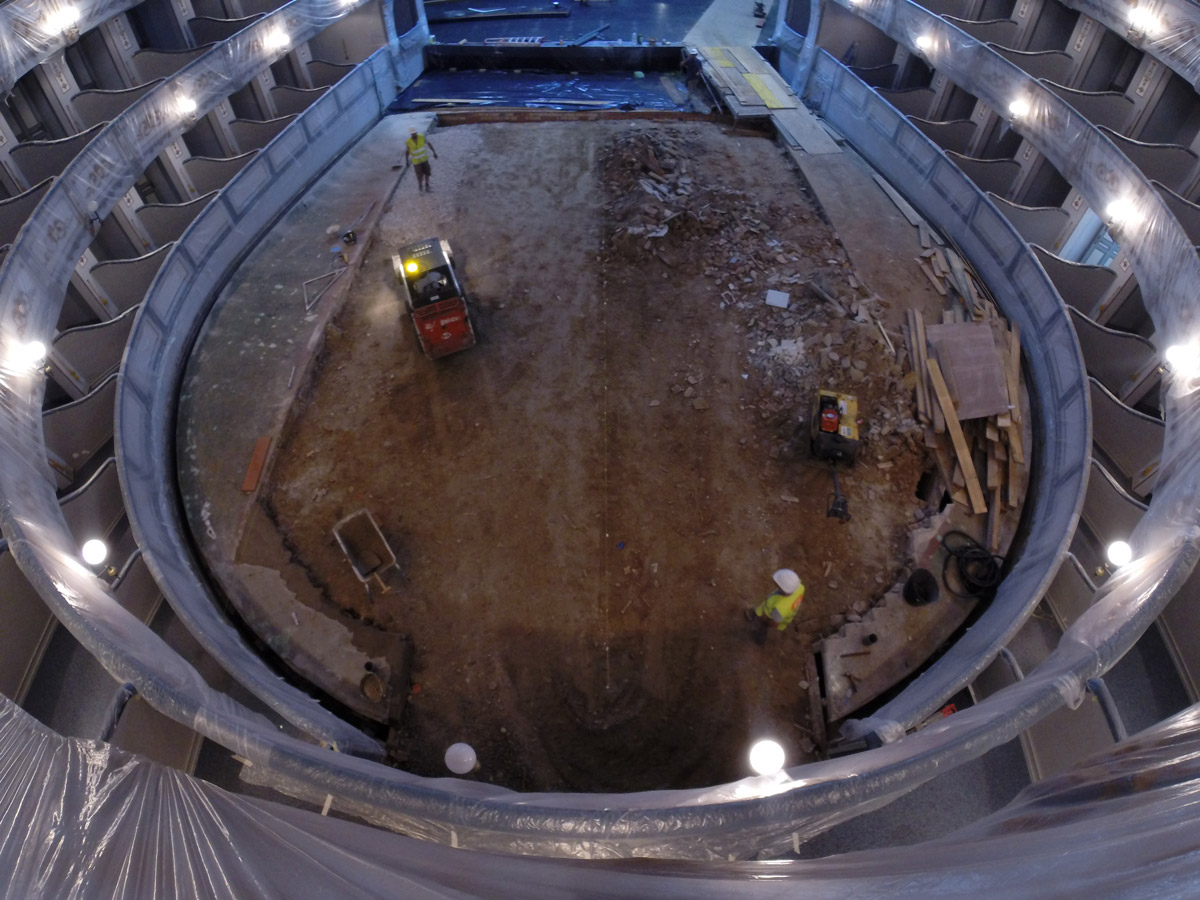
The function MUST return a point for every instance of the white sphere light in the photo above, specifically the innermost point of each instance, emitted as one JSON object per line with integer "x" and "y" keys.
{"x": 94, "y": 552}
{"x": 1119, "y": 553}
{"x": 766, "y": 757}
{"x": 34, "y": 353}
{"x": 1184, "y": 359}
{"x": 1019, "y": 108}
{"x": 924, "y": 42}
{"x": 460, "y": 758}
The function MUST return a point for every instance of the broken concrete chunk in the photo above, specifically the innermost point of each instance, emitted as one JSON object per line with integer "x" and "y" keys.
{"x": 699, "y": 403}
{"x": 778, "y": 299}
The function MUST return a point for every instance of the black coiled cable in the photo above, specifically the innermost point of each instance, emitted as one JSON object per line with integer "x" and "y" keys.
{"x": 978, "y": 571}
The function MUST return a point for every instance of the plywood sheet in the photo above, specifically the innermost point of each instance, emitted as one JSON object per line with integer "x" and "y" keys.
{"x": 972, "y": 367}
{"x": 804, "y": 129}
{"x": 766, "y": 88}
{"x": 718, "y": 57}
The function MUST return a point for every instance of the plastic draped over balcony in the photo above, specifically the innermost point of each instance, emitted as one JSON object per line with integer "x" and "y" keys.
{"x": 761, "y": 814}
{"x": 1162, "y": 256}
{"x": 1165, "y": 29}
{"x": 31, "y": 31}
{"x": 89, "y": 821}
{"x": 33, "y": 283}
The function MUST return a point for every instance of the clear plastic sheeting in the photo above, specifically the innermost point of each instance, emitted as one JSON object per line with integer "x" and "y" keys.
{"x": 31, "y": 31}
{"x": 1166, "y": 30}
{"x": 33, "y": 283}
{"x": 541, "y": 90}
{"x": 172, "y": 837}
{"x": 87, "y": 821}
{"x": 1163, "y": 259}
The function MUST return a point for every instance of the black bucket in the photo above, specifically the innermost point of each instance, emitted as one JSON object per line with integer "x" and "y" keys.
{"x": 921, "y": 588}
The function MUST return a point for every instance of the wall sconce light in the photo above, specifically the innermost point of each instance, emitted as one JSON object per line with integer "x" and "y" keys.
{"x": 28, "y": 356}
{"x": 276, "y": 39}
{"x": 1142, "y": 24}
{"x": 1121, "y": 215}
{"x": 1018, "y": 109}
{"x": 93, "y": 211}
{"x": 1117, "y": 554}
{"x": 94, "y": 553}
{"x": 924, "y": 42}
{"x": 65, "y": 21}
{"x": 187, "y": 107}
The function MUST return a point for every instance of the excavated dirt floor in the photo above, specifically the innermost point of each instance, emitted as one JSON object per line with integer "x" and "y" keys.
{"x": 585, "y": 503}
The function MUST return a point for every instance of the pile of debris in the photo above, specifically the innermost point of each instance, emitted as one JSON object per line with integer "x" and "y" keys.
{"x": 825, "y": 332}
{"x": 967, "y": 382}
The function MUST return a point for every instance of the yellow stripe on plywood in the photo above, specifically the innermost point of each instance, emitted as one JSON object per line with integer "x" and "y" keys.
{"x": 716, "y": 56}
{"x": 764, "y": 90}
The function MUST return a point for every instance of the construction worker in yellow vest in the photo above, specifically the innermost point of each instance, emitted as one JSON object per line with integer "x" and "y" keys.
{"x": 416, "y": 151}
{"x": 781, "y": 607}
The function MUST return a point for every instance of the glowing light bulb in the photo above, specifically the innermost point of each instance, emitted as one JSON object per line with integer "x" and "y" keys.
{"x": 1184, "y": 359}
{"x": 1019, "y": 108}
{"x": 33, "y": 354}
{"x": 766, "y": 757}
{"x": 94, "y": 552}
{"x": 1121, "y": 213}
{"x": 1119, "y": 553}
{"x": 460, "y": 758}
{"x": 924, "y": 42}
{"x": 276, "y": 39}
{"x": 186, "y": 105}
{"x": 1141, "y": 19}
{"x": 62, "y": 19}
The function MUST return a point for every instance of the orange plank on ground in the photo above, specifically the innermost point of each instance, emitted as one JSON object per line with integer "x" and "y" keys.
{"x": 257, "y": 460}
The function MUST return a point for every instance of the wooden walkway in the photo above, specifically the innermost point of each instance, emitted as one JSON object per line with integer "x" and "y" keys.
{"x": 750, "y": 87}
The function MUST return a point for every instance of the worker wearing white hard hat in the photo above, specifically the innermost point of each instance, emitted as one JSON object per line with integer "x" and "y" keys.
{"x": 781, "y": 606}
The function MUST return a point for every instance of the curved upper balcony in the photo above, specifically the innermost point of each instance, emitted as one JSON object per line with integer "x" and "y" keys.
{"x": 42, "y": 260}
{"x": 37, "y": 540}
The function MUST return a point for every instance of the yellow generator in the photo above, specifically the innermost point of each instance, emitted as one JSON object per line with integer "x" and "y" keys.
{"x": 835, "y": 427}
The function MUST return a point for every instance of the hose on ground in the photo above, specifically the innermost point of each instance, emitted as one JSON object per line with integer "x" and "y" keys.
{"x": 976, "y": 570}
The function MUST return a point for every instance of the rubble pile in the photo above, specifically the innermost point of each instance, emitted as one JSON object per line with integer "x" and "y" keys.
{"x": 829, "y": 332}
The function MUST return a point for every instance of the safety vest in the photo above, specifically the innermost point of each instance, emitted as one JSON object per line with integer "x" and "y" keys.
{"x": 417, "y": 151}
{"x": 781, "y": 608}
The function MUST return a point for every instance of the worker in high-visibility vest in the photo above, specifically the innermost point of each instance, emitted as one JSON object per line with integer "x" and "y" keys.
{"x": 416, "y": 151}
{"x": 781, "y": 606}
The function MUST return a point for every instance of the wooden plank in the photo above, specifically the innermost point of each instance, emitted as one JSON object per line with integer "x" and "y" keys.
{"x": 258, "y": 459}
{"x": 961, "y": 450}
{"x": 918, "y": 372}
{"x": 1014, "y": 482}
{"x": 941, "y": 455}
{"x": 774, "y": 99}
{"x": 993, "y": 473}
{"x": 933, "y": 279}
{"x": 914, "y": 218}
{"x": 718, "y": 57}
{"x": 919, "y": 366}
{"x": 805, "y": 129}
{"x": 749, "y": 61}
{"x": 1012, "y": 374}
{"x": 742, "y": 89}
{"x": 993, "y": 523}
{"x": 958, "y": 275}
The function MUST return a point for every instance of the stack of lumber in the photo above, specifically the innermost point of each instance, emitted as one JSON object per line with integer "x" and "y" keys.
{"x": 967, "y": 382}
{"x": 954, "y": 279}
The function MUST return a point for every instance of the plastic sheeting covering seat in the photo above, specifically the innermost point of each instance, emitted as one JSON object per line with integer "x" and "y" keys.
{"x": 91, "y": 822}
